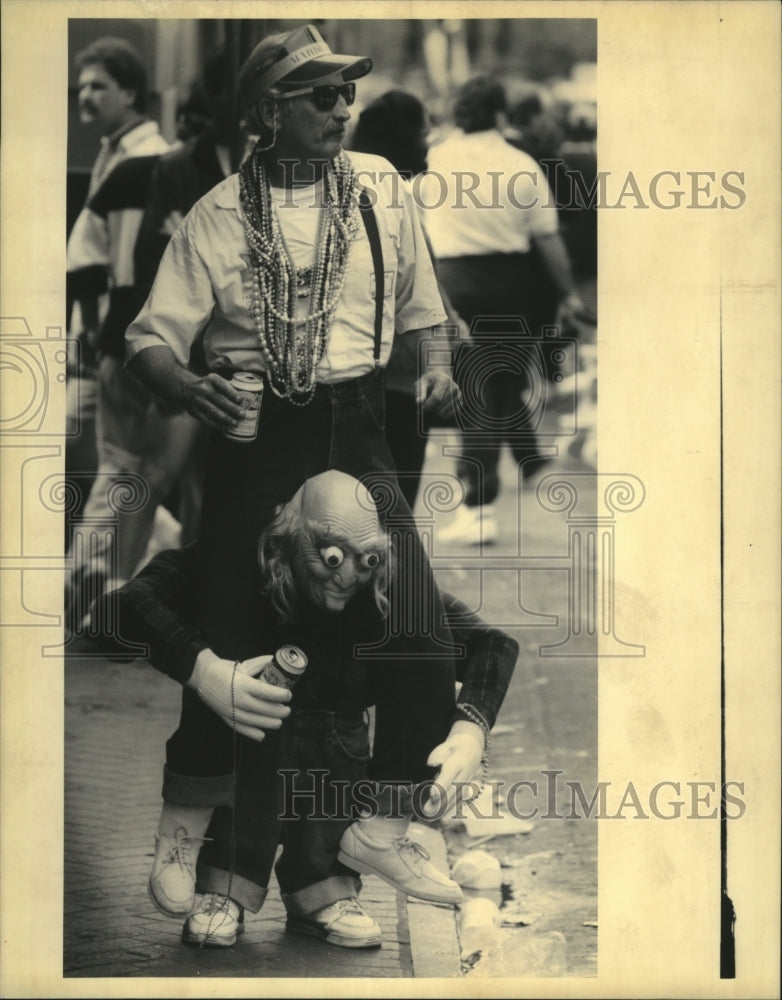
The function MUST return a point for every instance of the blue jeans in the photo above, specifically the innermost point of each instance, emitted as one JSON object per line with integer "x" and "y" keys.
{"x": 295, "y": 788}
{"x": 411, "y": 663}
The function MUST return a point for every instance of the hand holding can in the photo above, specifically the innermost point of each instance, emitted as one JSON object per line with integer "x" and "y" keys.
{"x": 285, "y": 668}
{"x": 251, "y": 388}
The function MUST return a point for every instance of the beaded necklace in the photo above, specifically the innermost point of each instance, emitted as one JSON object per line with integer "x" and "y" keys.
{"x": 292, "y": 348}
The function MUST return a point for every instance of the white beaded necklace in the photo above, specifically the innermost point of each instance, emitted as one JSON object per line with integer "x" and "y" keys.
{"x": 292, "y": 349}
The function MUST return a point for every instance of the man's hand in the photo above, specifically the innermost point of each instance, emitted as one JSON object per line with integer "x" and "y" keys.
{"x": 438, "y": 394}
{"x": 213, "y": 401}
{"x": 460, "y": 759}
{"x": 254, "y": 706}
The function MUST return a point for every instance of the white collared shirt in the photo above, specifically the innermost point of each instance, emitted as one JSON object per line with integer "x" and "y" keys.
{"x": 204, "y": 282}
{"x": 480, "y": 195}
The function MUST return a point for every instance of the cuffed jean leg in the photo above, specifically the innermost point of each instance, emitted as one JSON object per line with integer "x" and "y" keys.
{"x": 314, "y": 897}
{"x": 330, "y": 753}
{"x": 237, "y": 858}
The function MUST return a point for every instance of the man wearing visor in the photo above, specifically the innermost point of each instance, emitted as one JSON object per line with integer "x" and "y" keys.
{"x": 300, "y": 270}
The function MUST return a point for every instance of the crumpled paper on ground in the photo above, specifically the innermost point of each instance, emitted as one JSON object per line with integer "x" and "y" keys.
{"x": 484, "y": 818}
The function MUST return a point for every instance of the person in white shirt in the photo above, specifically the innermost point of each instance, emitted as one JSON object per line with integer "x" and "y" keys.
{"x": 485, "y": 205}
{"x": 101, "y": 278}
{"x": 112, "y": 87}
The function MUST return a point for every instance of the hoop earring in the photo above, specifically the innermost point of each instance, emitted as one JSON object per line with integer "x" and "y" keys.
{"x": 275, "y": 129}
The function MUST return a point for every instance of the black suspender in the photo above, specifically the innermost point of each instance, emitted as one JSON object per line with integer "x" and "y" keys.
{"x": 370, "y": 224}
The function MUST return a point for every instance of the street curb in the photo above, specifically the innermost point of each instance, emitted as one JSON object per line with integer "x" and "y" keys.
{"x": 434, "y": 943}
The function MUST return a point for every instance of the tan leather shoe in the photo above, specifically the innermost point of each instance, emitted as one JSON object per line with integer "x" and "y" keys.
{"x": 402, "y": 863}
{"x": 345, "y": 923}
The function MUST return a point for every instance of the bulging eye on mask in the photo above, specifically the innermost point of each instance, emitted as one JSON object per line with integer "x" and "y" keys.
{"x": 325, "y": 546}
{"x": 334, "y": 555}
{"x": 329, "y": 572}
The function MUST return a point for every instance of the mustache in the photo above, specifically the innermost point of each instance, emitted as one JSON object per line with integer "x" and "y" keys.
{"x": 87, "y": 106}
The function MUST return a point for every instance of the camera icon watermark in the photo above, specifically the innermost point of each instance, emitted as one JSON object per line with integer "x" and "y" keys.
{"x": 30, "y": 366}
{"x": 513, "y": 385}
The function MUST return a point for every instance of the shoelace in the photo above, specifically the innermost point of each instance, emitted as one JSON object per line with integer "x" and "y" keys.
{"x": 349, "y": 905}
{"x": 330, "y": 914}
{"x": 214, "y": 905}
{"x": 413, "y": 845}
{"x": 181, "y": 851}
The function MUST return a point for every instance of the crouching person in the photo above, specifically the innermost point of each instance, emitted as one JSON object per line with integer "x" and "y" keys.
{"x": 298, "y": 757}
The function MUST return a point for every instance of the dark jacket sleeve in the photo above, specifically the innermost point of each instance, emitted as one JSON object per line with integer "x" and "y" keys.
{"x": 485, "y": 671}
{"x": 153, "y": 237}
{"x": 154, "y": 609}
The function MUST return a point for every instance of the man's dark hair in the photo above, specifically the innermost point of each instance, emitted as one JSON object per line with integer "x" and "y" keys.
{"x": 208, "y": 102}
{"x": 477, "y": 103}
{"x": 394, "y": 126}
{"x": 121, "y": 61}
{"x": 525, "y": 110}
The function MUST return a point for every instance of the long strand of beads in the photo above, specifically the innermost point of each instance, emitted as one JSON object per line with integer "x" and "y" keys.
{"x": 292, "y": 358}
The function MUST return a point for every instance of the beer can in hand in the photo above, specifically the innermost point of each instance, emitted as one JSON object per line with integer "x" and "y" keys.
{"x": 286, "y": 667}
{"x": 251, "y": 387}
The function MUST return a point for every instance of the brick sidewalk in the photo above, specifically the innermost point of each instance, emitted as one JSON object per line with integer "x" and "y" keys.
{"x": 117, "y": 719}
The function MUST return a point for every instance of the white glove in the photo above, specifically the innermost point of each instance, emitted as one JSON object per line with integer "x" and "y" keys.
{"x": 460, "y": 759}
{"x": 254, "y": 707}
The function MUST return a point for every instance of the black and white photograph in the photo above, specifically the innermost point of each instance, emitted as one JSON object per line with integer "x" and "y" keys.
{"x": 456, "y": 134}
{"x": 379, "y": 511}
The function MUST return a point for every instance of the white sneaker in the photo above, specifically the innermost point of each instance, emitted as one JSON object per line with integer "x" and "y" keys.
{"x": 344, "y": 922}
{"x": 402, "y": 863}
{"x": 216, "y": 922}
{"x": 471, "y": 526}
{"x": 172, "y": 880}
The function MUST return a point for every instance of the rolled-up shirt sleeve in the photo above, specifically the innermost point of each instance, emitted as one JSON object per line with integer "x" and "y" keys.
{"x": 180, "y": 303}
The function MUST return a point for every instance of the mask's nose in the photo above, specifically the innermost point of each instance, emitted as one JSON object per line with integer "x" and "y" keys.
{"x": 352, "y": 574}
{"x": 347, "y": 574}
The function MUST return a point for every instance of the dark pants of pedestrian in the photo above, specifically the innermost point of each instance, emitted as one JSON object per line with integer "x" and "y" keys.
{"x": 341, "y": 428}
{"x": 491, "y": 293}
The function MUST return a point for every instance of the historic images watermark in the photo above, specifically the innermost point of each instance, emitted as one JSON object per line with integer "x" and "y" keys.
{"x": 499, "y": 190}
{"x": 548, "y": 797}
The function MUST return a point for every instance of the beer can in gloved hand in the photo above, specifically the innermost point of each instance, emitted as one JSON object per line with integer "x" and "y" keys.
{"x": 286, "y": 667}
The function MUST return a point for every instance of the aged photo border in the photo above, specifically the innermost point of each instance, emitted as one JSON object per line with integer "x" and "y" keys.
{"x": 689, "y": 361}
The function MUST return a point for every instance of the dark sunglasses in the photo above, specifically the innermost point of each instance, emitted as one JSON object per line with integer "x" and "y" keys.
{"x": 325, "y": 98}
